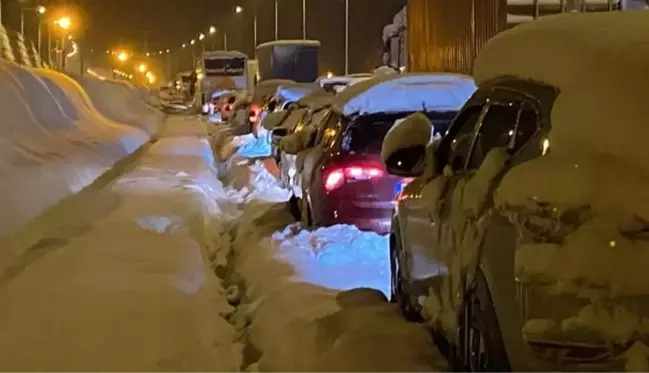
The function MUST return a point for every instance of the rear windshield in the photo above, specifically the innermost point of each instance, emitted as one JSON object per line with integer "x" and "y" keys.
{"x": 365, "y": 134}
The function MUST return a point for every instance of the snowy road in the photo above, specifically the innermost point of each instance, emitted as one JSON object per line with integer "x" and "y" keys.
{"x": 180, "y": 264}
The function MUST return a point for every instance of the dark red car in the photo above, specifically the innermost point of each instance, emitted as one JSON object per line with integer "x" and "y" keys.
{"x": 342, "y": 179}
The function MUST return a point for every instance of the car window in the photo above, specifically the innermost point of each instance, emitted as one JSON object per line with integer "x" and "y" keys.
{"x": 327, "y": 131}
{"x": 457, "y": 147}
{"x": 508, "y": 125}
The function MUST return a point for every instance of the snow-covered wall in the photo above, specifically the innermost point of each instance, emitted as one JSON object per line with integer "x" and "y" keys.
{"x": 54, "y": 141}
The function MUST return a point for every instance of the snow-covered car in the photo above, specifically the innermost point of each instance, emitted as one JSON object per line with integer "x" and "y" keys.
{"x": 523, "y": 238}
{"x": 337, "y": 84}
{"x": 341, "y": 177}
{"x": 309, "y": 111}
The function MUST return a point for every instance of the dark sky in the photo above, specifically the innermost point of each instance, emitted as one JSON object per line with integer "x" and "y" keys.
{"x": 168, "y": 23}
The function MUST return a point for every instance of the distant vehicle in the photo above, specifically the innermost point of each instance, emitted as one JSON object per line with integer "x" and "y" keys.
{"x": 295, "y": 60}
{"x": 341, "y": 178}
{"x": 222, "y": 70}
{"x": 523, "y": 236}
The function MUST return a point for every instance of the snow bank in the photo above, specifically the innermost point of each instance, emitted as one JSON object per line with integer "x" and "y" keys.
{"x": 125, "y": 285}
{"x": 116, "y": 101}
{"x": 53, "y": 143}
{"x": 296, "y": 315}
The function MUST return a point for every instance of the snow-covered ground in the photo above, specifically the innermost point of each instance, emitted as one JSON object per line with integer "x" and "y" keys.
{"x": 311, "y": 300}
{"x": 185, "y": 263}
{"x": 120, "y": 283}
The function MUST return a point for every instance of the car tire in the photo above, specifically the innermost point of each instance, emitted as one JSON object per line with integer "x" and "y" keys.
{"x": 480, "y": 345}
{"x": 400, "y": 293}
{"x": 294, "y": 207}
{"x": 306, "y": 217}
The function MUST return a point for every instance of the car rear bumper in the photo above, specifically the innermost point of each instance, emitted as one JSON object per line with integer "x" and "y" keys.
{"x": 367, "y": 219}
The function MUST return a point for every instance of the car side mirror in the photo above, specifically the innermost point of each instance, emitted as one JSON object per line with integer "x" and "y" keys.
{"x": 404, "y": 147}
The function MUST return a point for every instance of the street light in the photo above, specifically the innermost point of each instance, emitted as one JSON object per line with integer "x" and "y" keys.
{"x": 192, "y": 42}
{"x": 40, "y": 10}
{"x": 184, "y": 45}
{"x": 201, "y": 36}
{"x": 123, "y": 56}
{"x": 64, "y": 22}
{"x": 168, "y": 50}
{"x": 212, "y": 30}
{"x": 141, "y": 68}
{"x": 238, "y": 9}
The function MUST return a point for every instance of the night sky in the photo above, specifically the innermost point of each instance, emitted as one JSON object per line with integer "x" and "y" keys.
{"x": 162, "y": 24}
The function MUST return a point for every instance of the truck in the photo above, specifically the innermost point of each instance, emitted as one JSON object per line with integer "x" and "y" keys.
{"x": 219, "y": 70}
{"x": 446, "y": 36}
{"x": 295, "y": 60}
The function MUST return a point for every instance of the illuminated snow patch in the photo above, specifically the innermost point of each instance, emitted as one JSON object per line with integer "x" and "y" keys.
{"x": 340, "y": 257}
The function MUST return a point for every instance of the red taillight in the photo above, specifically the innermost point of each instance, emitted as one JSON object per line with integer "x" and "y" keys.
{"x": 336, "y": 177}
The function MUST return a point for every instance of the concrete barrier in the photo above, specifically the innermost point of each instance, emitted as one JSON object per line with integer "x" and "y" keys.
{"x": 53, "y": 143}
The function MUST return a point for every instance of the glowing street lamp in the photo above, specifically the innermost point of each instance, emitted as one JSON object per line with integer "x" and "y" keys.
{"x": 148, "y": 54}
{"x": 168, "y": 50}
{"x": 41, "y": 9}
{"x": 64, "y": 23}
{"x": 238, "y": 9}
{"x": 184, "y": 45}
{"x": 141, "y": 68}
{"x": 212, "y": 30}
{"x": 192, "y": 42}
{"x": 201, "y": 36}
{"x": 123, "y": 56}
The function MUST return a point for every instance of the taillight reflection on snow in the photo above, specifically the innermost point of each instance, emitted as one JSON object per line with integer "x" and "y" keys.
{"x": 338, "y": 176}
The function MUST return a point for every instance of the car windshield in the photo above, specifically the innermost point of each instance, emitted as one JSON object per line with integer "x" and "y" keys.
{"x": 365, "y": 134}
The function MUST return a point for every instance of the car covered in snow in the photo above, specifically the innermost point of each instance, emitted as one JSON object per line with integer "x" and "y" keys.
{"x": 523, "y": 238}
{"x": 308, "y": 111}
{"x": 341, "y": 178}
{"x": 336, "y": 84}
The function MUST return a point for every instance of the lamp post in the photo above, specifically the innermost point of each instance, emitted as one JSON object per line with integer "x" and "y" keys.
{"x": 276, "y": 19}
{"x": 64, "y": 24}
{"x": 212, "y": 31}
{"x": 40, "y": 10}
{"x": 346, "y": 37}
{"x": 304, "y": 19}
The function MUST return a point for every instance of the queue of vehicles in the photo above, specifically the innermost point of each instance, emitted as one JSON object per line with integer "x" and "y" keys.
{"x": 496, "y": 193}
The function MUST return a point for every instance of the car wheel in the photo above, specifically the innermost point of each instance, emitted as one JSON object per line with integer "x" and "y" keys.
{"x": 306, "y": 217}
{"x": 480, "y": 345}
{"x": 294, "y": 207}
{"x": 400, "y": 293}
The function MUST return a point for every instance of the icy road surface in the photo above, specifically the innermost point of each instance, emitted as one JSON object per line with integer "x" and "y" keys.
{"x": 180, "y": 264}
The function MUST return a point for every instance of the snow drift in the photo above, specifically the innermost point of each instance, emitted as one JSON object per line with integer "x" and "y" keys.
{"x": 314, "y": 301}
{"x": 53, "y": 142}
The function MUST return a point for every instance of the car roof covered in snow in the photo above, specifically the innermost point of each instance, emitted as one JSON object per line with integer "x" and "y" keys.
{"x": 405, "y": 93}
{"x": 267, "y": 88}
{"x": 218, "y": 54}
{"x": 278, "y": 43}
{"x": 221, "y": 92}
{"x": 602, "y": 80}
{"x": 316, "y": 100}
{"x": 294, "y": 92}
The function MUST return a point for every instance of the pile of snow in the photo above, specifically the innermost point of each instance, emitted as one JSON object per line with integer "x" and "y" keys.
{"x": 397, "y": 93}
{"x": 53, "y": 143}
{"x": 340, "y": 257}
{"x": 116, "y": 101}
{"x": 291, "y": 302}
{"x": 125, "y": 285}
